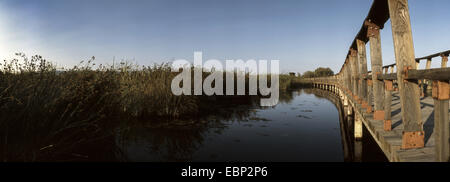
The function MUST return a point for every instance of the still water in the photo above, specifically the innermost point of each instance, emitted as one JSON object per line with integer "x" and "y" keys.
{"x": 304, "y": 127}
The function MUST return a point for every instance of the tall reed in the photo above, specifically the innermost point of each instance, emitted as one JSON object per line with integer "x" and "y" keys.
{"x": 46, "y": 114}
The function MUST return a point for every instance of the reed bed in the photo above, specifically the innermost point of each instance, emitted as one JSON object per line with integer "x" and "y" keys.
{"x": 47, "y": 114}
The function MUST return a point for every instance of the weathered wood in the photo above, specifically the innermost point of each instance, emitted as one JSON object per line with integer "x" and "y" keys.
{"x": 428, "y": 65}
{"x": 349, "y": 74}
{"x": 413, "y": 136}
{"x": 389, "y": 76}
{"x": 355, "y": 71}
{"x": 421, "y": 81}
{"x": 358, "y": 127}
{"x": 362, "y": 60}
{"x": 441, "y": 122}
{"x": 444, "y": 61}
{"x": 376, "y": 65}
{"x": 431, "y": 74}
{"x": 389, "y": 65}
{"x": 408, "y": 131}
{"x": 435, "y": 55}
{"x": 441, "y": 96}
{"x": 387, "y": 105}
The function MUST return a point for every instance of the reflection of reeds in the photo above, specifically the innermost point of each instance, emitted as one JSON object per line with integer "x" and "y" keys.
{"x": 45, "y": 113}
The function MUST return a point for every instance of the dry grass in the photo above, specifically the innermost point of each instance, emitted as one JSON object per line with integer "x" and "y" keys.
{"x": 46, "y": 114}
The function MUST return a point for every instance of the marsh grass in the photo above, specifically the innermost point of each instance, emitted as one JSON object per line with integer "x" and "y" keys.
{"x": 47, "y": 114}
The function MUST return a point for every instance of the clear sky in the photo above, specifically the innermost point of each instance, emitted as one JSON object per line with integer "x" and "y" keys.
{"x": 302, "y": 34}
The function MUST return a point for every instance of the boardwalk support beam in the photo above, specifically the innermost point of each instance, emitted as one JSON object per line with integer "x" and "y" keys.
{"x": 413, "y": 135}
{"x": 373, "y": 33}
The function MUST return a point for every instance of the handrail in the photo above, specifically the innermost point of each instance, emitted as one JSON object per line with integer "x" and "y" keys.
{"x": 356, "y": 82}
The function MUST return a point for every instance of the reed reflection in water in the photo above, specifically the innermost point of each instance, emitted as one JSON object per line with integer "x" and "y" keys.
{"x": 307, "y": 125}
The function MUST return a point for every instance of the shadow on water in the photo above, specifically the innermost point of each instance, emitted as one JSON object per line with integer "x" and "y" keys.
{"x": 307, "y": 125}
{"x": 364, "y": 150}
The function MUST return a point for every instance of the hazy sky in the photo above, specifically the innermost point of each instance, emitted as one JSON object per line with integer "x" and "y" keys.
{"x": 302, "y": 34}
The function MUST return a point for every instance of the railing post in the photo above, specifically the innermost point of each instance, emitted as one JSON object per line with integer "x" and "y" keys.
{"x": 369, "y": 96}
{"x": 428, "y": 66}
{"x": 427, "y": 82}
{"x": 388, "y": 85}
{"x": 440, "y": 96}
{"x": 373, "y": 32}
{"x": 444, "y": 61}
{"x": 362, "y": 64}
{"x": 413, "y": 134}
{"x": 420, "y": 81}
{"x": 441, "y": 123}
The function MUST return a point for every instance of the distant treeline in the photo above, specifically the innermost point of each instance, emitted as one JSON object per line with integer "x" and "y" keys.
{"x": 319, "y": 72}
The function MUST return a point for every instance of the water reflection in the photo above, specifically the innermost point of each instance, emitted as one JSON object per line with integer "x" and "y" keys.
{"x": 307, "y": 125}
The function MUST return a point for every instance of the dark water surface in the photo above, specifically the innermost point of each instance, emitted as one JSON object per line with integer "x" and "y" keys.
{"x": 305, "y": 126}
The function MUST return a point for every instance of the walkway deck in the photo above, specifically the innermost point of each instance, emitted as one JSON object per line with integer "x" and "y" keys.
{"x": 391, "y": 141}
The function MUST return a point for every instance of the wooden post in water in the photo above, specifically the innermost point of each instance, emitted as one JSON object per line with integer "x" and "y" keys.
{"x": 358, "y": 134}
{"x": 441, "y": 121}
{"x": 373, "y": 32}
{"x": 362, "y": 63}
{"x": 413, "y": 134}
{"x": 358, "y": 130}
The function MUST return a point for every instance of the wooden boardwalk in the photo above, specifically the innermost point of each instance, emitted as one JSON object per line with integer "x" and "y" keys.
{"x": 389, "y": 100}
{"x": 390, "y": 141}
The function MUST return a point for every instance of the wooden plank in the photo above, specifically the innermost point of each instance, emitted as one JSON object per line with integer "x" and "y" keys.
{"x": 434, "y": 55}
{"x": 389, "y": 65}
{"x": 431, "y": 74}
{"x": 389, "y": 76}
{"x": 378, "y": 14}
{"x": 409, "y": 91}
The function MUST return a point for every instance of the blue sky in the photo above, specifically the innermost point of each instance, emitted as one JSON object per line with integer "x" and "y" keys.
{"x": 302, "y": 34}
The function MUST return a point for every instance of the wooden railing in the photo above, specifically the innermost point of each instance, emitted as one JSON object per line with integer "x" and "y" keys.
{"x": 373, "y": 89}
